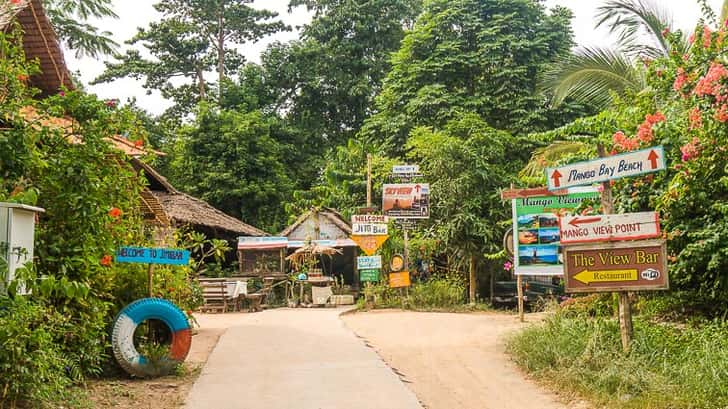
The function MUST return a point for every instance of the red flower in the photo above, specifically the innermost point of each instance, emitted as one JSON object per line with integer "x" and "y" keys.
{"x": 110, "y": 103}
{"x": 16, "y": 2}
{"x": 115, "y": 212}
{"x": 722, "y": 113}
{"x": 139, "y": 143}
{"x": 62, "y": 94}
{"x": 106, "y": 260}
{"x": 22, "y": 77}
{"x": 680, "y": 80}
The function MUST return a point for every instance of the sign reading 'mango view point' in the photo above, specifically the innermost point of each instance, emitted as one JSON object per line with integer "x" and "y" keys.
{"x": 612, "y": 167}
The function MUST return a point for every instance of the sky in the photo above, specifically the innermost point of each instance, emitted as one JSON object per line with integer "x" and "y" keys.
{"x": 138, "y": 13}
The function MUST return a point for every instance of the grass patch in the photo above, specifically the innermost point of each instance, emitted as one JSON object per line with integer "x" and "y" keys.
{"x": 668, "y": 367}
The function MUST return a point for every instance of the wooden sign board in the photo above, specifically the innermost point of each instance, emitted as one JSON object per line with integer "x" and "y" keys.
{"x": 608, "y": 168}
{"x": 369, "y": 244}
{"x": 401, "y": 279}
{"x": 633, "y": 266}
{"x": 609, "y": 227}
{"x": 148, "y": 255}
{"x": 369, "y": 229}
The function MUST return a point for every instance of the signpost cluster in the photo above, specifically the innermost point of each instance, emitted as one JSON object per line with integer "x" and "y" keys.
{"x": 595, "y": 252}
{"x": 405, "y": 201}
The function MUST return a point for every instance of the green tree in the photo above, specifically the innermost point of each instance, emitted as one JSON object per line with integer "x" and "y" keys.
{"x": 472, "y": 56}
{"x": 193, "y": 38}
{"x": 231, "y": 160}
{"x": 70, "y": 21}
{"x": 328, "y": 79}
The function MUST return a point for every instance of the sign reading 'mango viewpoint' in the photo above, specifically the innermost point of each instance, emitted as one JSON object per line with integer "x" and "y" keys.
{"x": 152, "y": 255}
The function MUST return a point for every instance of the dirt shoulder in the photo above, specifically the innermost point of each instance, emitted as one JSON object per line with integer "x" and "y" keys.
{"x": 453, "y": 360}
{"x": 168, "y": 392}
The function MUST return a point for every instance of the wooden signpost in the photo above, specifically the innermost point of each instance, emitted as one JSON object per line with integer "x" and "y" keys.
{"x": 632, "y": 266}
{"x": 399, "y": 280}
{"x": 152, "y": 256}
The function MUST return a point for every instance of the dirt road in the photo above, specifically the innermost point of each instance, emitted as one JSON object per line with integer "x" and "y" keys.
{"x": 453, "y": 361}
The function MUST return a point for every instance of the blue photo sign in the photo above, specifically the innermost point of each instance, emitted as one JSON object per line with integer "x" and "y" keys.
{"x": 152, "y": 255}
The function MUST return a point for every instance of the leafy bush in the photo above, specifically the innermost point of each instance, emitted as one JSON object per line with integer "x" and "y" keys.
{"x": 668, "y": 367}
{"x": 34, "y": 367}
{"x": 440, "y": 292}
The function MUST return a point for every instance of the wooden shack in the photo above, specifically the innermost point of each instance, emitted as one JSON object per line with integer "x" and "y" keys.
{"x": 326, "y": 227}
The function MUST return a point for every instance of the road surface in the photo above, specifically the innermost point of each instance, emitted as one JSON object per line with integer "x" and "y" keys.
{"x": 453, "y": 361}
{"x": 296, "y": 359}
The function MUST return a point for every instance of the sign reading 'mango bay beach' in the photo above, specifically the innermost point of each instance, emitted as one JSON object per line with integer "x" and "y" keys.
{"x": 611, "y": 167}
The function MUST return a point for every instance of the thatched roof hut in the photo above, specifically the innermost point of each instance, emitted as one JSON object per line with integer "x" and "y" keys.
{"x": 39, "y": 41}
{"x": 181, "y": 209}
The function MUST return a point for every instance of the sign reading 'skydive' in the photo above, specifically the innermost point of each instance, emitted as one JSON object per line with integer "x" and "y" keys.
{"x": 612, "y": 167}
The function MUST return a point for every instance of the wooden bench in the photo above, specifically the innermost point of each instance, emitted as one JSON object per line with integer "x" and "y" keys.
{"x": 214, "y": 294}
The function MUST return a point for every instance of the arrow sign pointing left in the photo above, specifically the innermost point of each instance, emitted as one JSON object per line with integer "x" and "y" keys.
{"x": 609, "y": 227}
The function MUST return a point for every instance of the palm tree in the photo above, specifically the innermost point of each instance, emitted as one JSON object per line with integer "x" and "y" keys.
{"x": 593, "y": 75}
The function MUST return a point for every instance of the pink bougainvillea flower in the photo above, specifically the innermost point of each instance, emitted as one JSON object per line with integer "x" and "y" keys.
{"x": 706, "y": 36}
{"x": 696, "y": 120}
{"x": 680, "y": 80}
{"x": 62, "y": 94}
{"x": 690, "y": 150}
{"x": 709, "y": 84}
{"x": 110, "y": 103}
{"x": 507, "y": 266}
{"x": 721, "y": 114}
{"x": 106, "y": 260}
{"x": 115, "y": 212}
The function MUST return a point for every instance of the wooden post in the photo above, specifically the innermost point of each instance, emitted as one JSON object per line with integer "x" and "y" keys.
{"x": 283, "y": 260}
{"x": 369, "y": 180}
{"x": 471, "y": 279}
{"x": 519, "y": 284}
{"x": 406, "y": 249}
{"x": 492, "y": 285}
{"x": 150, "y": 274}
{"x": 625, "y": 308}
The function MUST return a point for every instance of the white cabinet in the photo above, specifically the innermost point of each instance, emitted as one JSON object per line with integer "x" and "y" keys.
{"x": 17, "y": 230}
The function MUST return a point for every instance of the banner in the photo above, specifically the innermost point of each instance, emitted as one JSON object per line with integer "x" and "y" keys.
{"x": 406, "y": 200}
{"x": 536, "y": 241}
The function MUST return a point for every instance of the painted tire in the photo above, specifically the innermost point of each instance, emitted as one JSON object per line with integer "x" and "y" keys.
{"x": 122, "y": 336}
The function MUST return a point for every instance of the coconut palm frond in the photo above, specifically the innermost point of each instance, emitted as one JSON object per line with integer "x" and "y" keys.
{"x": 631, "y": 19}
{"x": 590, "y": 75}
{"x": 548, "y": 156}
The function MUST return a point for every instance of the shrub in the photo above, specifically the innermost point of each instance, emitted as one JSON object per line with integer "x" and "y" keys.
{"x": 35, "y": 371}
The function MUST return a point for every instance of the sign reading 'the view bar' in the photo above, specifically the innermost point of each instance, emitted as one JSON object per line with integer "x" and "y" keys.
{"x": 612, "y": 167}
{"x": 609, "y": 227}
{"x": 630, "y": 266}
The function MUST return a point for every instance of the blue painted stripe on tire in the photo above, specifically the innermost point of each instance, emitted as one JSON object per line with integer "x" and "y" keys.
{"x": 157, "y": 308}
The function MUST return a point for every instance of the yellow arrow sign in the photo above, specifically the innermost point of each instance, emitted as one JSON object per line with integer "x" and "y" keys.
{"x": 369, "y": 244}
{"x": 602, "y": 276}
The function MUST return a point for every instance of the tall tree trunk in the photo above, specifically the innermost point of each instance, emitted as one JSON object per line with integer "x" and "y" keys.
{"x": 201, "y": 83}
{"x": 220, "y": 50}
{"x": 472, "y": 280}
